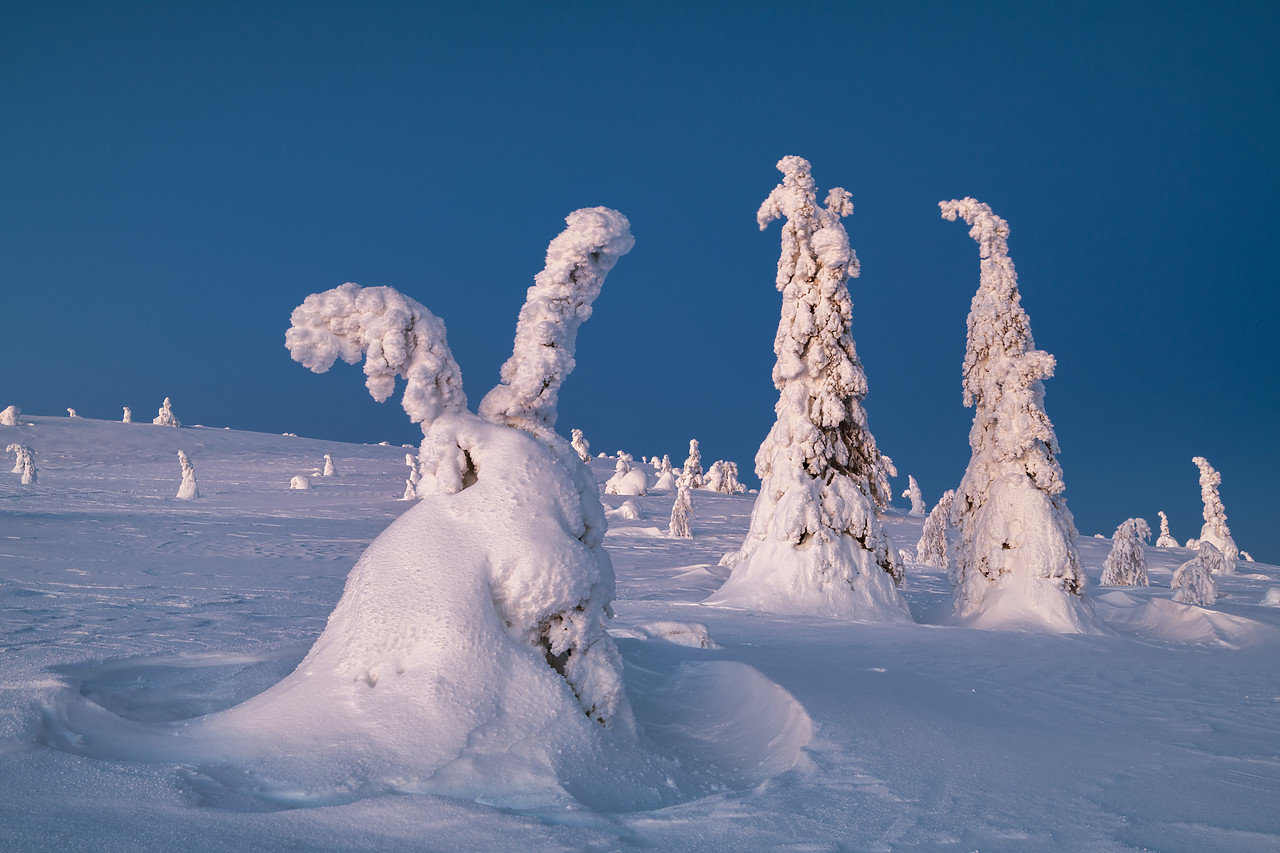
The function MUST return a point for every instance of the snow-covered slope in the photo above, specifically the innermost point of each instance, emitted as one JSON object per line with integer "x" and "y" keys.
{"x": 125, "y": 612}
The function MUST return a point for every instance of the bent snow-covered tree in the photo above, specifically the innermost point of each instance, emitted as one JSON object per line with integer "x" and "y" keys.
{"x": 917, "y": 500}
{"x": 1165, "y": 540}
{"x": 1126, "y": 565}
{"x": 815, "y": 544}
{"x": 187, "y": 490}
{"x": 1015, "y": 561}
{"x": 1215, "y": 528}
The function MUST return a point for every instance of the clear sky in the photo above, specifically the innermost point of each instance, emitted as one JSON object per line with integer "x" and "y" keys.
{"x": 176, "y": 177}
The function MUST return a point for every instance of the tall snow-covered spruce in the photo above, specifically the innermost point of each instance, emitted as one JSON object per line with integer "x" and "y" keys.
{"x": 1015, "y": 562}
{"x": 1215, "y": 528}
{"x": 815, "y": 544}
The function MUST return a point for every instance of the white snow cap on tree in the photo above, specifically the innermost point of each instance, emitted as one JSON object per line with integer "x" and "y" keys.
{"x": 580, "y": 446}
{"x": 1215, "y": 528}
{"x": 1126, "y": 565}
{"x": 681, "y": 512}
{"x": 815, "y": 545}
{"x": 546, "y": 334}
{"x": 1165, "y": 540}
{"x": 1015, "y": 562}
{"x": 691, "y": 473}
{"x": 396, "y": 335}
{"x": 10, "y": 416}
{"x": 24, "y": 463}
{"x": 932, "y": 549}
{"x": 1193, "y": 581}
{"x": 128, "y": 416}
{"x": 166, "y": 416}
{"x": 917, "y": 499}
{"x": 188, "y": 490}
{"x": 329, "y": 469}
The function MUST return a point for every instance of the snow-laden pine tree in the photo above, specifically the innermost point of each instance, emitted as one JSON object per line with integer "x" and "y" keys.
{"x": 1215, "y": 528}
{"x": 722, "y": 477}
{"x": 166, "y": 417}
{"x": 187, "y": 490}
{"x": 1126, "y": 565}
{"x": 691, "y": 474}
{"x": 10, "y": 416}
{"x": 580, "y": 446}
{"x": 1165, "y": 540}
{"x": 681, "y": 513}
{"x": 917, "y": 500}
{"x": 1014, "y": 561}
{"x": 932, "y": 549}
{"x": 815, "y": 544}
{"x": 128, "y": 416}
{"x": 411, "y": 483}
{"x": 329, "y": 469}
{"x": 1193, "y": 581}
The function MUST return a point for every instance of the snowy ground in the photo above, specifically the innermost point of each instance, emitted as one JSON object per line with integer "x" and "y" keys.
{"x": 1163, "y": 734}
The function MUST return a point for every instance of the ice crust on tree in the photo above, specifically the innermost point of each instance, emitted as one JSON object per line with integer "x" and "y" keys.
{"x": 1193, "y": 581}
{"x": 1165, "y": 540}
{"x": 933, "y": 549}
{"x": 580, "y": 446}
{"x": 681, "y": 513}
{"x": 815, "y": 545}
{"x": 187, "y": 490}
{"x": 1014, "y": 559}
{"x": 11, "y": 416}
{"x": 1126, "y": 565}
{"x": 917, "y": 499}
{"x": 1215, "y": 528}
{"x": 166, "y": 417}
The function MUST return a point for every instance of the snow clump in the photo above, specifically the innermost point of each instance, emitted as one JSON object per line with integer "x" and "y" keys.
{"x": 1164, "y": 540}
{"x": 932, "y": 549}
{"x": 166, "y": 417}
{"x": 187, "y": 490}
{"x": 815, "y": 545}
{"x": 1126, "y": 565}
{"x": 1193, "y": 581}
{"x": 10, "y": 416}
{"x": 1215, "y": 528}
{"x": 1015, "y": 562}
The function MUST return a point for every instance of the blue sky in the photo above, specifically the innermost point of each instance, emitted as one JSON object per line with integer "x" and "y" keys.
{"x": 178, "y": 176}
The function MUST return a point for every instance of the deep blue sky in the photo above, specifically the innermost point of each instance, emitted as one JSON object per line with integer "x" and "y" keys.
{"x": 176, "y": 177}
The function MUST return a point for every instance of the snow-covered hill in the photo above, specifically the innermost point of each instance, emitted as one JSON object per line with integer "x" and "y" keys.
{"x": 121, "y": 602}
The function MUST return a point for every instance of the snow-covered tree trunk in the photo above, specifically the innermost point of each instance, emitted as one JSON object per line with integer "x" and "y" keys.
{"x": 1015, "y": 561}
{"x": 11, "y": 416}
{"x": 1126, "y": 565}
{"x": 917, "y": 500}
{"x": 1215, "y": 528}
{"x": 1193, "y": 581}
{"x": 691, "y": 474}
{"x": 128, "y": 416}
{"x": 815, "y": 544}
{"x": 329, "y": 469}
{"x": 187, "y": 490}
{"x": 681, "y": 513}
{"x": 1165, "y": 540}
{"x": 166, "y": 417}
{"x": 580, "y": 446}
{"x": 932, "y": 549}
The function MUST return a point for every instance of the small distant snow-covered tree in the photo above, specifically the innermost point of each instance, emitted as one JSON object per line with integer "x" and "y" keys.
{"x": 815, "y": 544}
{"x": 580, "y": 446}
{"x": 722, "y": 477}
{"x": 681, "y": 512}
{"x": 1246, "y": 556}
{"x": 10, "y": 416}
{"x": 1193, "y": 581}
{"x": 1017, "y": 539}
{"x": 329, "y": 469}
{"x": 917, "y": 499}
{"x": 1165, "y": 540}
{"x": 1126, "y": 565}
{"x": 1215, "y": 528}
{"x": 128, "y": 416}
{"x": 932, "y": 548}
{"x": 71, "y": 413}
{"x": 411, "y": 484}
{"x": 166, "y": 417}
{"x": 628, "y": 478}
{"x": 188, "y": 490}
{"x": 691, "y": 473}
{"x": 15, "y": 449}
{"x": 24, "y": 463}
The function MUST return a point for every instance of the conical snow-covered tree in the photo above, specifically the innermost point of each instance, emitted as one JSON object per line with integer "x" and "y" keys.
{"x": 691, "y": 473}
{"x": 580, "y": 446}
{"x": 166, "y": 417}
{"x": 188, "y": 490}
{"x": 917, "y": 499}
{"x": 1015, "y": 561}
{"x": 1126, "y": 565}
{"x": 1165, "y": 540}
{"x": 932, "y": 548}
{"x": 815, "y": 544}
{"x": 1193, "y": 581}
{"x": 1215, "y": 528}
{"x": 681, "y": 512}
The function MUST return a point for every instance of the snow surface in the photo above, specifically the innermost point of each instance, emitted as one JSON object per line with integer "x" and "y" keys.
{"x": 126, "y": 615}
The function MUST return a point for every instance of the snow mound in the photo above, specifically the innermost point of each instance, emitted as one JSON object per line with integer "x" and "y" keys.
{"x": 1164, "y": 619}
{"x": 628, "y": 510}
{"x": 1271, "y": 597}
{"x": 692, "y": 634}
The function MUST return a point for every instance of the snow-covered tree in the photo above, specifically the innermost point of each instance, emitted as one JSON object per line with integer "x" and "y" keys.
{"x": 1193, "y": 581}
{"x": 681, "y": 512}
{"x": 1246, "y": 556}
{"x": 300, "y": 482}
{"x": 917, "y": 499}
{"x": 627, "y": 479}
{"x": 722, "y": 477}
{"x": 1126, "y": 565}
{"x": 128, "y": 416}
{"x": 411, "y": 484}
{"x": 932, "y": 549}
{"x": 187, "y": 490}
{"x": 580, "y": 446}
{"x": 329, "y": 469}
{"x": 71, "y": 413}
{"x": 1014, "y": 559}
{"x": 815, "y": 544}
{"x": 10, "y": 416}
{"x": 1215, "y": 528}
{"x": 691, "y": 473}
{"x": 166, "y": 416}
{"x": 24, "y": 462}
{"x": 1164, "y": 540}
